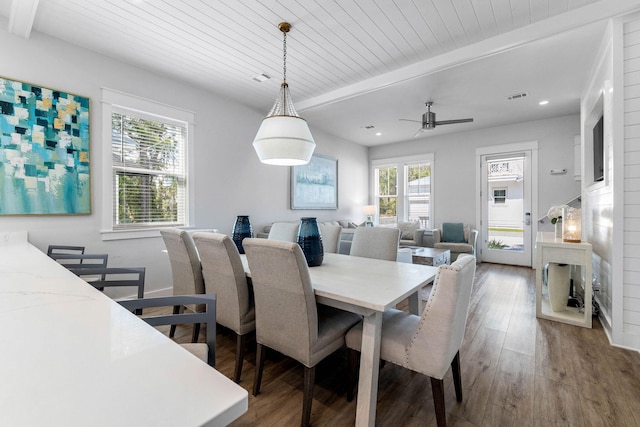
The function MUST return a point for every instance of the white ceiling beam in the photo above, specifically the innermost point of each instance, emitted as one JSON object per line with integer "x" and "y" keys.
{"x": 21, "y": 17}
{"x": 549, "y": 27}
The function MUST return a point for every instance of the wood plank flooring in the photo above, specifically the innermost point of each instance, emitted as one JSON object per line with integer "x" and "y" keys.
{"x": 517, "y": 370}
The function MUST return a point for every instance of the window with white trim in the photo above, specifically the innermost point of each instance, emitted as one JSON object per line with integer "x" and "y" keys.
{"x": 149, "y": 168}
{"x": 148, "y": 164}
{"x": 403, "y": 190}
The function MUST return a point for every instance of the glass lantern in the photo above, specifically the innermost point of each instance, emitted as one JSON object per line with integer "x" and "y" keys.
{"x": 571, "y": 225}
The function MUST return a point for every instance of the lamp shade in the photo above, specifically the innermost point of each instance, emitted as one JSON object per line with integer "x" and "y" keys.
{"x": 284, "y": 141}
{"x": 369, "y": 209}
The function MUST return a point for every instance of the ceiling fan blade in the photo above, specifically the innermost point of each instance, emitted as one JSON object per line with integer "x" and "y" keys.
{"x": 409, "y": 120}
{"x": 418, "y": 132}
{"x": 450, "y": 122}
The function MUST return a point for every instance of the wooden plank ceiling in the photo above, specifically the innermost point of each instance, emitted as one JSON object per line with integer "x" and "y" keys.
{"x": 334, "y": 44}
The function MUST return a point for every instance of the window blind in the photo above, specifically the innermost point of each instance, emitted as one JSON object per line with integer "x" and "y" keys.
{"x": 149, "y": 171}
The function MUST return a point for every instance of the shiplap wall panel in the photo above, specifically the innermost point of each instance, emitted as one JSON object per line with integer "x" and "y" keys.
{"x": 632, "y": 211}
{"x": 633, "y": 117}
{"x": 630, "y": 264}
{"x": 632, "y": 78}
{"x": 631, "y": 275}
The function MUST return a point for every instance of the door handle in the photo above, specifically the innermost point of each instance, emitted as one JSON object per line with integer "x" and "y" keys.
{"x": 527, "y": 218}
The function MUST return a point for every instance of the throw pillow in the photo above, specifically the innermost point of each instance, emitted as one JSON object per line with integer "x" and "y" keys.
{"x": 453, "y": 232}
{"x": 407, "y": 229}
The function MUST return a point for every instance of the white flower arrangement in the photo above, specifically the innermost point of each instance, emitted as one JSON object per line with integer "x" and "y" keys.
{"x": 555, "y": 213}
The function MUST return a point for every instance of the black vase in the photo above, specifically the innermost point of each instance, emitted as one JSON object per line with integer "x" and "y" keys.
{"x": 310, "y": 241}
{"x": 241, "y": 229}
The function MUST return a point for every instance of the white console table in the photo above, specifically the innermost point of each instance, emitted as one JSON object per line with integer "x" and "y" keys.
{"x": 552, "y": 249}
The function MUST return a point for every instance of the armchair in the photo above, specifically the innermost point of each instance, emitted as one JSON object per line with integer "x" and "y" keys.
{"x": 411, "y": 234}
{"x": 457, "y": 238}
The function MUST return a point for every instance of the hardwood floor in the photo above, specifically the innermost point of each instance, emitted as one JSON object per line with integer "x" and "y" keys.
{"x": 517, "y": 370}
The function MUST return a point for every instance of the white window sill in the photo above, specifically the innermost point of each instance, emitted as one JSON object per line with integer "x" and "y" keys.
{"x": 129, "y": 234}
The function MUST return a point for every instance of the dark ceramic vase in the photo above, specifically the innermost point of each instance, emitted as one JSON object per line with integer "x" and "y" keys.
{"x": 310, "y": 241}
{"x": 241, "y": 229}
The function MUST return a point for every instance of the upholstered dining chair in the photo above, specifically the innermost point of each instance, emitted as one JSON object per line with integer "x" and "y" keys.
{"x": 284, "y": 231}
{"x": 205, "y": 351}
{"x": 224, "y": 276}
{"x": 185, "y": 268}
{"x": 287, "y": 317}
{"x": 376, "y": 242}
{"x": 430, "y": 343}
{"x": 330, "y": 237}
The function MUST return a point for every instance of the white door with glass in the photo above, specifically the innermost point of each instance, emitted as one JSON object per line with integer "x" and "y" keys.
{"x": 506, "y": 208}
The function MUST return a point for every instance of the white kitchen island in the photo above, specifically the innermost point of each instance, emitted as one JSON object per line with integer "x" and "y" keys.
{"x": 71, "y": 356}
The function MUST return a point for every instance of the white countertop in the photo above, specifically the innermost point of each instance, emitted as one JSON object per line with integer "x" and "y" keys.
{"x": 72, "y": 356}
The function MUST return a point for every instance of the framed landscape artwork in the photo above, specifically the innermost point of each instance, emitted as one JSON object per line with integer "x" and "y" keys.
{"x": 44, "y": 151}
{"x": 315, "y": 185}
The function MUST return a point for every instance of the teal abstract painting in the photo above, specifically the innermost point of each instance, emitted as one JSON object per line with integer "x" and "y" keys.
{"x": 44, "y": 151}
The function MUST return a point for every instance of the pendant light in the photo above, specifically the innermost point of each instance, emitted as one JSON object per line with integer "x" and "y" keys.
{"x": 284, "y": 137}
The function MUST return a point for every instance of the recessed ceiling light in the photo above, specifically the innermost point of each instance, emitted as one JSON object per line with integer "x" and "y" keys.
{"x": 545, "y": 102}
{"x": 378, "y": 133}
{"x": 261, "y": 77}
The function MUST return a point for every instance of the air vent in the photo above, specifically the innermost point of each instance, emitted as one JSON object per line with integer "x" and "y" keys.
{"x": 261, "y": 77}
{"x": 517, "y": 96}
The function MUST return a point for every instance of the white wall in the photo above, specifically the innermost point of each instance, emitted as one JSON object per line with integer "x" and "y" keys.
{"x": 454, "y": 179}
{"x": 229, "y": 179}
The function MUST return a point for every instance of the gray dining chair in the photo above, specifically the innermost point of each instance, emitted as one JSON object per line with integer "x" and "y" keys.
{"x": 284, "y": 231}
{"x": 430, "y": 343}
{"x": 224, "y": 276}
{"x": 330, "y": 237}
{"x": 376, "y": 242}
{"x": 112, "y": 277}
{"x": 287, "y": 317}
{"x": 78, "y": 261}
{"x": 185, "y": 268}
{"x": 64, "y": 249}
{"x": 205, "y": 351}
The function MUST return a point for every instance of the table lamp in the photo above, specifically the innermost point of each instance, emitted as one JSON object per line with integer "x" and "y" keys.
{"x": 369, "y": 211}
{"x": 571, "y": 227}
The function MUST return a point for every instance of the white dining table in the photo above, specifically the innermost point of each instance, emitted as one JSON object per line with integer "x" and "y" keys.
{"x": 71, "y": 356}
{"x": 368, "y": 287}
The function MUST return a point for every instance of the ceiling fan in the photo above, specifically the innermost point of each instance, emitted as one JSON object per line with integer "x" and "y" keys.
{"x": 429, "y": 120}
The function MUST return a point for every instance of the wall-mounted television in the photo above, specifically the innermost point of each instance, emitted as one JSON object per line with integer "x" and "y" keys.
{"x": 598, "y": 150}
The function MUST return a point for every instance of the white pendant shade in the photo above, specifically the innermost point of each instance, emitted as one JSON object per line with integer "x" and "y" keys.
{"x": 284, "y": 138}
{"x": 284, "y": 141}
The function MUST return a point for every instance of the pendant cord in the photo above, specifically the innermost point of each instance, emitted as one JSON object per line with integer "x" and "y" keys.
{"x": 284, "y": 57}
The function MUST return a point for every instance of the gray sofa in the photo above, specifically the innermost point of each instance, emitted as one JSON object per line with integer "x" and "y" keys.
{"x": 410, "y": 233}
{"x": 344, "y": 223}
